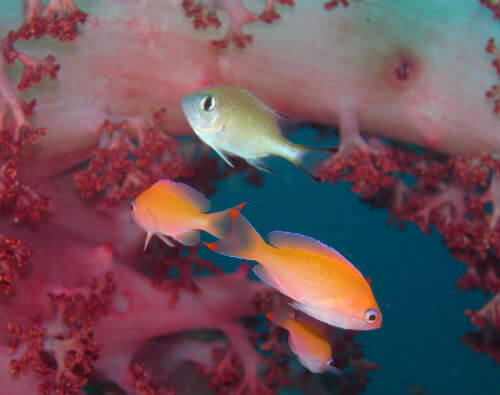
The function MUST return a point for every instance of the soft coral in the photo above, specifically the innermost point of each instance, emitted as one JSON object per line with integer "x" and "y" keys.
{"x": 62, "y": 351}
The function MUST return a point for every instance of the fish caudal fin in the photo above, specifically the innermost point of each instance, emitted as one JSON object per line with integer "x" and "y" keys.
{"x": 243, "y": 241}
{"x": 219, "y": 224}
{"x": 308, "y": 159}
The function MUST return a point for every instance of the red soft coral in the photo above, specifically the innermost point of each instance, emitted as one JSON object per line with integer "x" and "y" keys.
{"x": 62, "y": 351}
{"x": 122, "y": 166}
{"x": 14, "y": 255}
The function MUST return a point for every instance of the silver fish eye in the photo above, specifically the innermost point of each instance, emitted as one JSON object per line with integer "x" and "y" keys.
{"x": 372, "y": 316}
{"x": 132, "y": 205}
{"x": 208, "y": 103}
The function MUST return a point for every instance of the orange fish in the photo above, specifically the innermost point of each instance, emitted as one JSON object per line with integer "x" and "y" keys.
{"x": 174, "y": 210}
{"x": 308, "y": 340}
{"x": 322, "y": 283}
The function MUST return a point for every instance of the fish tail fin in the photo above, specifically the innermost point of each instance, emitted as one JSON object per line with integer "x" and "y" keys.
{"x": 243, "y": 241}
{"x": 219, "y": 223}
{"x": 309, "y": 158}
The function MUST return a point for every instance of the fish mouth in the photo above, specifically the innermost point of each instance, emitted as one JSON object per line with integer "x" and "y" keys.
{"x": 188, "y": 109}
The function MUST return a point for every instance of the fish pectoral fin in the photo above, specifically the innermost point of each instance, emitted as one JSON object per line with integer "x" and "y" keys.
{"x": 224, "y": 157}
{"x": 149, "y": 235}
{"x": 189, "y": 238}
{"x": 165, "y": 240}
{"x": 262, "y": 273}
{"x": 259, "y": 165}
{"x": 301, "y": 307}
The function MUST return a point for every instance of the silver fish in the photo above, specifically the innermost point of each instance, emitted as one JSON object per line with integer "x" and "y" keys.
{"x": 236, "y": 123}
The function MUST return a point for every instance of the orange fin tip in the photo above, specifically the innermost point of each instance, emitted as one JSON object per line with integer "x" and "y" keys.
{"x": 234, "y": 213}
{"x": 239, "y": 207}
{"x": 211, "y": 246}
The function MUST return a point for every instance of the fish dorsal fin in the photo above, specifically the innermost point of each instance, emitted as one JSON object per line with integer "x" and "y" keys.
{"x": 189, "y": 238}
{"x": 191, "y": 195}
{"x": 297, "y": 241}
{"x": 286, "y": 124}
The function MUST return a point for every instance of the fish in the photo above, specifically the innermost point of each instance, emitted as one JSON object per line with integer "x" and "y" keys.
{"x": 234, "y": 122}
{"x": 322, "y": 283}
{"x": 307, "y": 339}
{"x": 173, "y": 210}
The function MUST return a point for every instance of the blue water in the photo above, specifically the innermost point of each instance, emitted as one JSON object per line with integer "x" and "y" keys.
{"x": 413, "y": 279}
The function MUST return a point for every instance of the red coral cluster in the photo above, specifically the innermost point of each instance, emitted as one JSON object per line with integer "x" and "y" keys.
{"x": 205, "y": 15}
{"x": 62, "y": 351}
{"x": 458, "y": 196}
{"x": 144, "y": 385}
{"x": 14, "y": 255}
{"x": 56, "y": 19}
{"x": 122, "y": 167}
{"x": 371, "y": 175}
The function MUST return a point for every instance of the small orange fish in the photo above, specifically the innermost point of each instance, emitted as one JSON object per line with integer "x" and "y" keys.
{"x": 322, "y": 283}
{"x": 308, "y": 340}
{"x": 175, "y": 210}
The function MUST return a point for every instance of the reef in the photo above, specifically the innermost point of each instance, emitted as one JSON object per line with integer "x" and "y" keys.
{"x": 89, "y": 117}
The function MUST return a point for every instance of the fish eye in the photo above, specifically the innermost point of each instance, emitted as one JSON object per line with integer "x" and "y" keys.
{"x": 132, "y": 206}
{"x": 371, "y": 316}
{"x": 208, "y": 103}
{"x": 331, "y": 362}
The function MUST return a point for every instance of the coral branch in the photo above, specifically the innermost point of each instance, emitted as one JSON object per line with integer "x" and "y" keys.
{"x": 58, "y": 19}
{"x": 14, "y": 255}
{"x": 25, "y": 204}
{"x": 204, "y": 14}
{"x": 62, "y": 351}
{"x": 237, "y": 366}
{"x": 122, "y": 167}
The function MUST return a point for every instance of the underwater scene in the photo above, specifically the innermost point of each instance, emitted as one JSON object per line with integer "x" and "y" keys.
{"x": 250, "y": 197}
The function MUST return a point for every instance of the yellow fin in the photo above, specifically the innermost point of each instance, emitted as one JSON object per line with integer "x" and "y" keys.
{"x": 191, "y": 195}
{"x": 280, "y": 239}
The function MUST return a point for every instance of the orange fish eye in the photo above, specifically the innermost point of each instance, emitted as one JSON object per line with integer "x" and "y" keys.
{"x": 208, "y": 103}
{"x": 372, "y": 316}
